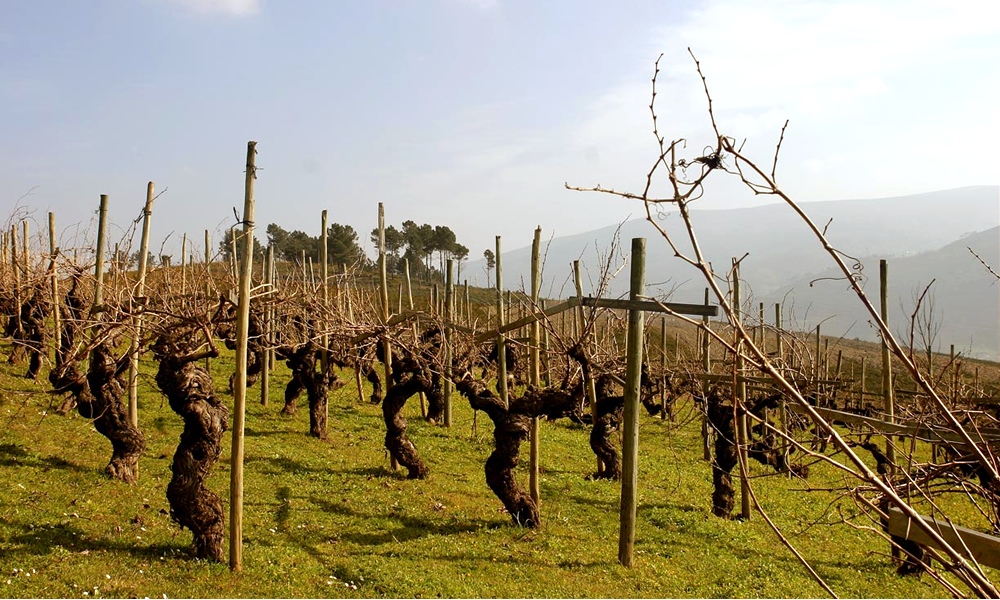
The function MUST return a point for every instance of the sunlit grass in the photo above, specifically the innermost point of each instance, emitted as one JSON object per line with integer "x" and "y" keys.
{"x": 330, "y": 519}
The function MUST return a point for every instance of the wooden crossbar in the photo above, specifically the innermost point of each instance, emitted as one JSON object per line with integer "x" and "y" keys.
{"x": 908, "y": 429}
{"x": 984, "y": 548}
{"x": 699, "y": 310}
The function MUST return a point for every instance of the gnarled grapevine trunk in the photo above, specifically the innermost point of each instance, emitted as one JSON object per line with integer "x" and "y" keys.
{"x": 191, "y": 394}
{"x": 603, "y": 440}
{"x": 396, "y": 442}
{"x": 509, "y": 430}
{"x": 111, "y": 414}
{"x": 720, "y": 415}
{"x": 33, "y": 315}
{"x": 302, "y": 360}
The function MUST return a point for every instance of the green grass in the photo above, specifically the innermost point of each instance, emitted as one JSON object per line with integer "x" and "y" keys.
{"x": 322, "y": 518}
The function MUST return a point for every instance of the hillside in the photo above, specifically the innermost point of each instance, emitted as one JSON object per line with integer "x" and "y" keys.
{"x": 782, "y": 254}
{"x": 965, "y": 294}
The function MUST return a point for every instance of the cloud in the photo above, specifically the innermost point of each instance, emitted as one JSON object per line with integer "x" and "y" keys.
{"x": 230, "y": 8}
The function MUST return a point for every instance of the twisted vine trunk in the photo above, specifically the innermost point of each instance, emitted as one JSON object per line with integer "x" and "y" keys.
{"x": 110, "y": 414}
{"x": 509, "y": 430}
{"x": 33, "y": 315}
{"x": 603, "y": 441}
{"x": 191, "y": 394}
{"x": 396, "y": 442}
{"x": 317, "y": 385}
{"x": 720, "y": 415}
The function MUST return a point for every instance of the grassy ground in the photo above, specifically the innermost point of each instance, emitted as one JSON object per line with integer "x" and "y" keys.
{"x": 330, "y": 519}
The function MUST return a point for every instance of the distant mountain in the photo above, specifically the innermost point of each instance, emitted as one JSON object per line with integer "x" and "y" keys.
{"x": 965, "y": 294}
{"x": 781, "y": 251}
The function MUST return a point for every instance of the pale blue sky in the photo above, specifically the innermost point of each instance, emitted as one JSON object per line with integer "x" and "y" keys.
{"x": 472, "y": 113}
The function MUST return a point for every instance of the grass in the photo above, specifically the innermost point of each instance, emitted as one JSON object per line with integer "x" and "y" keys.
{"x": 330, "y": 519}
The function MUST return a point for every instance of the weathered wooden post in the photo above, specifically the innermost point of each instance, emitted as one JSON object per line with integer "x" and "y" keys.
{"x": 184, "y": 249}
{"x": 384, "y": 298}
{"x": 579, "y": 326}
{"x": 501, "y": 339}
{"x": 54, "y": 285}
{"x": 139, "y": 297}
{"x": 240, "y": 383}
{"x": 889, "y": 403}
{"x": 534, "y": 373}
{"x": 265, "y": 373}
{"x": 663, "y": 369}
{"x": 742, "y": 432}
{"x": 630, "y": 427}
{"x": 449, "y": 314}
{"x": 706, "y": 365}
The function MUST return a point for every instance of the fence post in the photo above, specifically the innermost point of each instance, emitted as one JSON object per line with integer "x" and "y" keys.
{"x": 889, "y": 405}
{"x": 588, "y": 378}
{"x": 741, "y": 395}
{"x": 140, "y": 292}
{"x": 240, "y": 387}
{"x": 501, "y": 343}
{"x": 54, "y": 284}
{"x": 630, "y": 427}
{"x": 533, "y": 365}
{"x": 706, "y": 365}
{"x": 449, "y": 314}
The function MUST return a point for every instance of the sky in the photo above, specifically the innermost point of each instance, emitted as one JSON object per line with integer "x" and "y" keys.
{"x": 474, "y": 113}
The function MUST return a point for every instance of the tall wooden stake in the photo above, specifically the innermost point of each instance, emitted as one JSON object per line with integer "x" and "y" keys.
{"x": 139, "y": 297}
{"x": 742, "y": 431}
{"x": 240, "y": 385}
{"x": 889, "y": 403}
{"x": 265, "y": 373}
{"x": 706, "y": 365}
{"x": 449, "y": 314}
{"x": 384, "y": 297}
{"x": 501, "y": 340}
{"x": 54, "y": 284}
{"x": 630, "y": 427}
{"x": 588, "y": 378}
{"x": 534, "y": 373}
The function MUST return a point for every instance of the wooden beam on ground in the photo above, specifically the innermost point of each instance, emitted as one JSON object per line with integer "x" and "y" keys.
{"x": 984, "y": 548}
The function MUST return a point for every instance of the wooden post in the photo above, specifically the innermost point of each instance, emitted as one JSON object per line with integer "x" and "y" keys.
{"x": 763, "y": 331}
{"x": 409, "y": 297}
{"x": 18, "y": 300}
{"x": 588, "y": 378}
{"x": 954, "y": 374}
{"x": 889, "y": 404}
{"x": 325, "y": 273}
{"x": 630, "y": 428}
{"x": 468, "y": 306}
{"x": 26, "y": 252}
{"x": 501, "y": 339}
{"x": 663, "y": 368}
{"x": 742, "y": 432}
{"x": 783, "y": 405}
{"x": 449, "y": 314}
{"x": 816, "y": 366}
{"x": 184, "y": 248}
{"x": 99, "y": 260}
{"x": 384, "y": 298}
{"x": 706, "y": 365}
{"x": 139, "y": 295}
{"x": 534, "y": 369}
{"x": 265, "y": 373}
{"x": 864, "y": 384}
{"x": 240, "y": 383}
{"x": 208, "y": 271}
{"x": 54, "y": 284}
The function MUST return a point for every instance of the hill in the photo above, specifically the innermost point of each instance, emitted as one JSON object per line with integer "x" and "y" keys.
{"x": 783, "y": 254}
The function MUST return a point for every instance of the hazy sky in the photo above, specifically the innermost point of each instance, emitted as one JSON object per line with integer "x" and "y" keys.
{"x": 472, "y": 113}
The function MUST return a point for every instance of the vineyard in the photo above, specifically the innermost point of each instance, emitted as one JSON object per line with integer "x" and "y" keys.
{"x": 372, "y": 428}
{"x": 393, "y": 436}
